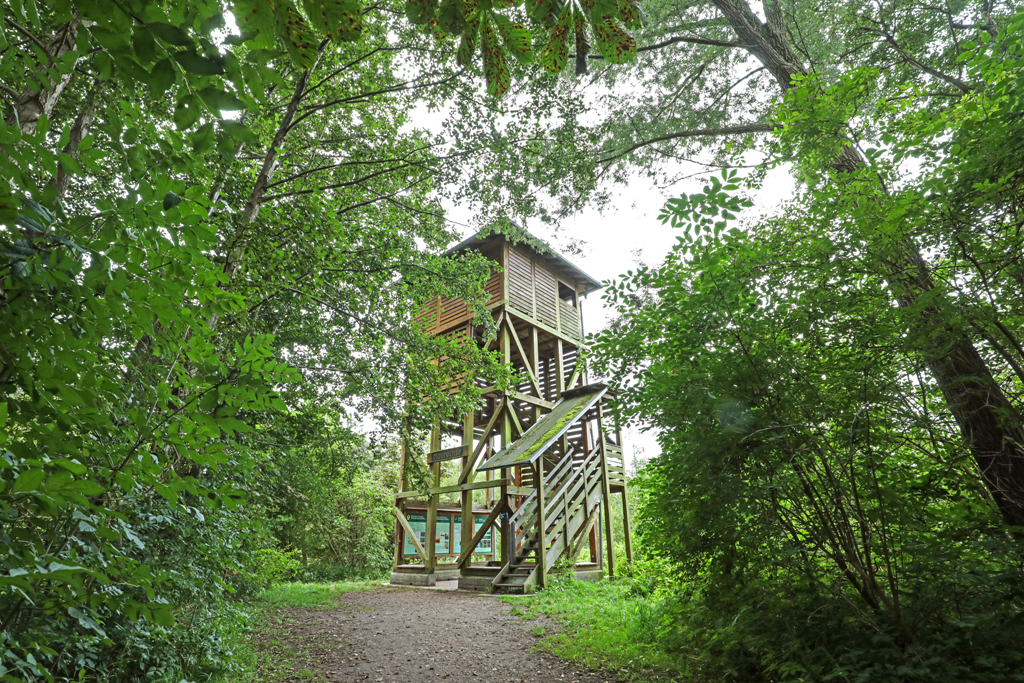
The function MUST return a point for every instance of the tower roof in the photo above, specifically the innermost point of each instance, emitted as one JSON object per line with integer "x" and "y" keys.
{"x": 482, "y": 239}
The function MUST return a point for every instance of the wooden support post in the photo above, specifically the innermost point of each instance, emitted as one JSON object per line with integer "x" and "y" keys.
{"x": 606, "y": 492}
{"x": 506, "y": 439}
{"x": 435, "y": 471}
{"x": 468, "y": 524}
{"x": 542, "y": 565}
{"x": 627, "y": 525}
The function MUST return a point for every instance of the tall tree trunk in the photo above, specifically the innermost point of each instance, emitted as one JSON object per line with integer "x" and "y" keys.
{"x": 991, "y": 426}
{"x": 79, "y": 130}
{"x": 270, "y": 163}
{"x": 33, "y": 104}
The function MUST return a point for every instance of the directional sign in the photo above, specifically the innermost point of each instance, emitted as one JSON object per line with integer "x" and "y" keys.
{"x": 447, "y": 454}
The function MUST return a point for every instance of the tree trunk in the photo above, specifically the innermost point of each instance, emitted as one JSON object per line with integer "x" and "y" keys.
{"x": 32, "y": 103}
{"x": 78, "y": 131}
{"x": 991, "y": 426}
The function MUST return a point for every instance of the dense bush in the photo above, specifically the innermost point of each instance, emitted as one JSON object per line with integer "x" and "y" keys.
{"x": 820, "y": 497}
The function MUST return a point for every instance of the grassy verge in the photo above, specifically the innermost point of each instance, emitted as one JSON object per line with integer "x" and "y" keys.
{"x": 268, "y": 651}
{"x": 603, "y": 626}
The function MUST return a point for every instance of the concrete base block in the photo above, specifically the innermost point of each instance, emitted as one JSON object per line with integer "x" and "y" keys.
{"x": 475, "y": 583}
{"x": 416, "y": 579}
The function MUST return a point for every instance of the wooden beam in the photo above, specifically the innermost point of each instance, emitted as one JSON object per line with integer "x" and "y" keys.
{"x": 606, "y": 491}
{"x": 471, "y": 486}
{"x": 515, "y": 418}
{"x": 526, "y": 361}
{"x": 533, "y": 400}
{"x": 577, "y": 371}
{"x": 410, "y": 533}
{"x": 542, "y": 546}
{"x": 468, "y": 468}
{"x": 542, "y": 326}
{"x": 467, "y": 550}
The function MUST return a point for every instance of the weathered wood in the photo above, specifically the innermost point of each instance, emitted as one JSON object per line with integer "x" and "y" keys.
{"x": 471, "y": 465}
{"x": 454, "y": 488}
{"x": 607, "y": 492}
{"x": 435, "y": 471}
{"x": 530, "y": 371}
{"x": 532, "y": 400}
{"x": 542, "y": 545}
{"x": 447, "y": 454}
{"x": 467, "y": 550}
{"x": 411, "y": 534}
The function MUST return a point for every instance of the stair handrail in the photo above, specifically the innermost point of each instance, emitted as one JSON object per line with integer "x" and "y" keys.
{"x": 567, "y": 458}
{"x": 550, "y": 504}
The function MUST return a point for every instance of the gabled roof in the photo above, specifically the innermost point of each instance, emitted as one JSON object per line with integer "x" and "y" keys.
{"x": 481, "y": 239}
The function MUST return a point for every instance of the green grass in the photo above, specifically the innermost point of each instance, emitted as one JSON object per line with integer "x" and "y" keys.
{"x": 603, "y": 627}
{"x": 310, "y": 595}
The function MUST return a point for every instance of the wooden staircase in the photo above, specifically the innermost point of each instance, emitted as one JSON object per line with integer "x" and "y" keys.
{"x": 573, "y": 492}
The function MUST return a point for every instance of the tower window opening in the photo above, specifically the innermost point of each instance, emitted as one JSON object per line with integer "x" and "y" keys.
{"x": 567, "y": 294}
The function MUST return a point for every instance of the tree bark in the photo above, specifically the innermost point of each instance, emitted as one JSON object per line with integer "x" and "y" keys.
{"x": 79, "y": 130}
{"x": 33, "y": 104}
{"x": 992, "y": 428}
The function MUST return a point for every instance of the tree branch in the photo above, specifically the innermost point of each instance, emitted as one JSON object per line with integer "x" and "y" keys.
{"x": 677, "y": 39}
{"x": 697, "y": 133}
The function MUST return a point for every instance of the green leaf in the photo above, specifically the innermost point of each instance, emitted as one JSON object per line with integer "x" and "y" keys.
{"x": 555, "y": 55}
{"x": 495, "y": 69}
{"x": 298, "y": 39}
{"x": 187, "y": 112}
{"x": 516, "y": 37}
{"x": 240, "y": 132}
{"x": 615, "y": 45}
{"x": 162, "y": 76}
{"x": 29, "y": 480}
{"x": 171, "y": 34}
{"x": 344, "y": 19}
{"x": 421, "y": 11}
{"x": 257, "y": 22}
{"x": 451, "y": 18}
{"x": 220, "y": 100}
{"x": 144, "y": 45}
{"x": 211, "y": 24}
{"x": 203, "y": 139}
{"x": 195, "y": 63}
{"x": 171, "y": 200}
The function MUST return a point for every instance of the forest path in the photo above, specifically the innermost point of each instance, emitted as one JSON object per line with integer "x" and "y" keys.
{"x": 394, "y": 634}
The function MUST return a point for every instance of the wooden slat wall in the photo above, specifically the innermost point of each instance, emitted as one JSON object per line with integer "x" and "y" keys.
{"x": 452, "y": 311}
{"x": 547, "y": 295}
{"x": 520, "y": 281}
{"x": 570, "y": 320}
{"x": 493, "y": 286}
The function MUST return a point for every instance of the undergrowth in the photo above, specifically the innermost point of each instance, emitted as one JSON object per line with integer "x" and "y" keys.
{"x": 604, "y": 625}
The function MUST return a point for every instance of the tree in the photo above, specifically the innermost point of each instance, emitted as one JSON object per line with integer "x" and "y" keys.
{"x": 705, "y": 72}
{"x": 811, "y": 486}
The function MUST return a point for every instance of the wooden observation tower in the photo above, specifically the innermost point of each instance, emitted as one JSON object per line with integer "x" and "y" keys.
{"x": 523, "y": 486}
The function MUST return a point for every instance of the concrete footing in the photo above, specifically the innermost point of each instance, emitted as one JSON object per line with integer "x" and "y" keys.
{"x": 417, "y": 579}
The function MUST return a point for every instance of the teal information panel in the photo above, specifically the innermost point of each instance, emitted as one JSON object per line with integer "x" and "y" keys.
{"x": 419, "y": 525}
{"x": 485, "y": 543}
{"x": 442, "y": 542}
{"x": 457, "y": 535}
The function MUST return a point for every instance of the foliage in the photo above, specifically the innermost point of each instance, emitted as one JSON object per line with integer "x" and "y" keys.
{"x": 827, "y": 517}
{"x": 603, "y": 625}
{"x": 208, "y": 255}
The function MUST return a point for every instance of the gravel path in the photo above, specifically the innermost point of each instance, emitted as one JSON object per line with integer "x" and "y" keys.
{"x": 411, "y": 635}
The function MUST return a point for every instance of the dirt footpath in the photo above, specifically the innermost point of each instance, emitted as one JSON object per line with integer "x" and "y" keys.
{"x": 411, "y": 635}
